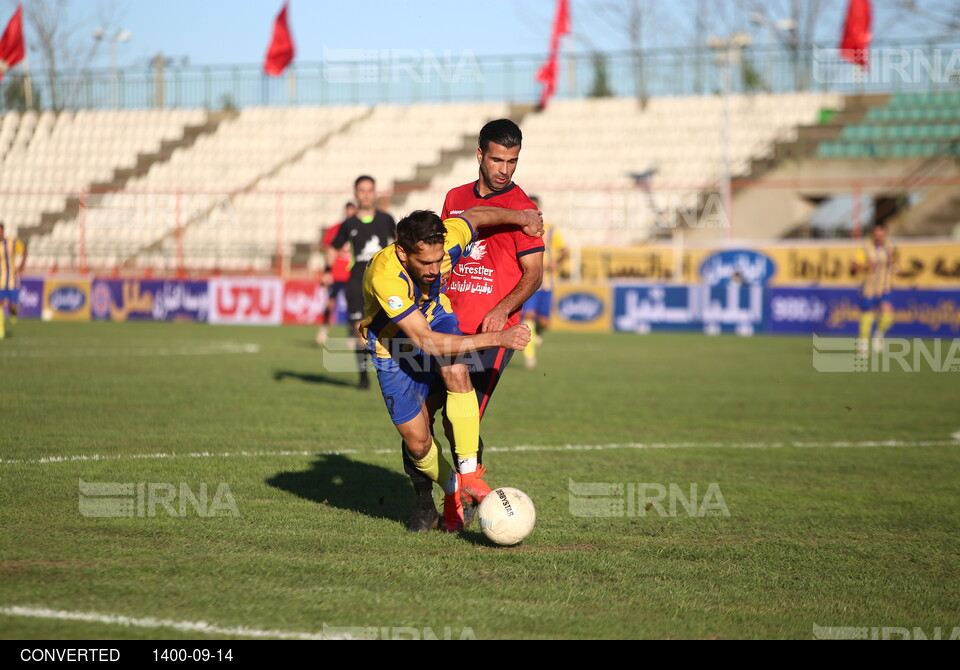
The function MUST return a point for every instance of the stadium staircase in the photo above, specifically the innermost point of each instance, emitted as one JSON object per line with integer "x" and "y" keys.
{"x": 441, "y": 168}
{"x": 909, "y": 137}
{"x": 123, "y": 175}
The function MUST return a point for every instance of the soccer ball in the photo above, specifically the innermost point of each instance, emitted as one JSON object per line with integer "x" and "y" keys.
{"x": 506, "y": 516}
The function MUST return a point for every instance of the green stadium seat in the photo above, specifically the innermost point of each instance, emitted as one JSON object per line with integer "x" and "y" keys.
{"x": 826, "y": 149}
{"x": 898, "y": 150}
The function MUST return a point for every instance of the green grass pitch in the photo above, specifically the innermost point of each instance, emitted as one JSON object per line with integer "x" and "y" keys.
{"x": 841, "y": 491}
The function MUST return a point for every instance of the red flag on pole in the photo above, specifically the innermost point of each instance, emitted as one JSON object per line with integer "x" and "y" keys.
{"x": 856, "y": 34}
{"x": 281, "y": 51}
{"x": 549, "y": 71}
{"x": 11, "y": 44}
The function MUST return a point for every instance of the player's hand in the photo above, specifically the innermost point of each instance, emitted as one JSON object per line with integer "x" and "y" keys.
{"x": 516, "y": 337}
{"x": 533, "y": 224}
{"x": 495, "y": 320}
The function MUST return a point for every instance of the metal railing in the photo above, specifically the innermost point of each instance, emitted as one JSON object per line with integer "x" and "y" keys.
{"x": 404, "y": 76}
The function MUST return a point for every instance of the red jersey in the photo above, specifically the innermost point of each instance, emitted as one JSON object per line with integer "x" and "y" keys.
{"x": 491, "y": 268}
{"x": 341, "y": 265}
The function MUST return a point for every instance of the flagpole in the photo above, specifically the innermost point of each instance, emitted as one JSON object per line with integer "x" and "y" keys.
{"x": 27, "y": 83}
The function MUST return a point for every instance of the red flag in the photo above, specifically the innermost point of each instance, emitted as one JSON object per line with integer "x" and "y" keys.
{"x": 281, "y": 51}
{"x": 856, "y": 34}
{"x": 11, "y": 44}
{"x": 547, "y": 74}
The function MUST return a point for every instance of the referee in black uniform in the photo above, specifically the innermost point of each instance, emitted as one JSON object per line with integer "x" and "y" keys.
{"x": 368, "y": 231}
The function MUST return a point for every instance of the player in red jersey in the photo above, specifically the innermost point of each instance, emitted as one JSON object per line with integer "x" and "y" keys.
{"x": 488, "y": 287}
{"x": 339, "y": 272}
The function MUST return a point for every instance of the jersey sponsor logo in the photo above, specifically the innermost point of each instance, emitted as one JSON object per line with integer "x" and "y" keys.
{"x": 580, "y": 307}
{"x": 394, "y": 302}
{"x": 456, "y": 212}
{"x": 476, "y": 250}
{"x": 467, "y": 286}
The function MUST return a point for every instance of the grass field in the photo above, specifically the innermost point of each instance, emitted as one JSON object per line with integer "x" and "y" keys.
{"x": 841, "y": 491}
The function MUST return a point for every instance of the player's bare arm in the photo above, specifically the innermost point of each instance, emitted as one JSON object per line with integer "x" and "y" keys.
{"x": 331, "y": 256}
{"x": 529, "y": 220}
{"x": 415, "y": 326}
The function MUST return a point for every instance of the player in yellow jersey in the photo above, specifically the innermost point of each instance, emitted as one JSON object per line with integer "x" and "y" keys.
{"x": 414, "y": 340}
{"x": 877, "y": 262}
{"x": 536, "y": 310}
{"x": 13, "y": 256}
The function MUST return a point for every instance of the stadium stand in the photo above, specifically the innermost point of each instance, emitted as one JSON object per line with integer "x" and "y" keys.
{"x": 909, "y": 125}
{"x": 252, "y": 188}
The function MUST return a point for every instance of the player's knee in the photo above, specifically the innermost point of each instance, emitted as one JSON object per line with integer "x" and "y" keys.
{"x": 418, "y": 447}
{"x": 456, "y": 378}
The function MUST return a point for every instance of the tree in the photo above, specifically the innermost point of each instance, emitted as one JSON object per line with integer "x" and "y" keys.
{"x": 59, "y": 39}
{"x": 14, "y": 93}
{"x": 601, "y": 87}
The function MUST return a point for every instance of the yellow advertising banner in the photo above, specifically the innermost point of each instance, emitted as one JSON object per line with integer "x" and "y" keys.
{"x": 922, "y": 264}
{"x": 582, "y": 308}
{"x": 66, "y": 300}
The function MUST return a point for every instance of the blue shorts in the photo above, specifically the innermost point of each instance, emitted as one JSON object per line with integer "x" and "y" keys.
{"x": 869, "y": 304}
{"x": 539, "y": 303}
{"x": 409, "y": 376}
{"x": 13, "y": 295}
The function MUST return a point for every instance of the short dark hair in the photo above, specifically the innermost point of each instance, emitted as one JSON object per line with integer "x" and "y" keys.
{"x": 535, "y": 199}
{"x": 503, "y": 132}
{"x": 422, "y": 225}
{"x": 363, "y": 177}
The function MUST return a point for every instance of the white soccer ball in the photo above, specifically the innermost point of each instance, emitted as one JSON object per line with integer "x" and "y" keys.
{"x": 507, "y": 516}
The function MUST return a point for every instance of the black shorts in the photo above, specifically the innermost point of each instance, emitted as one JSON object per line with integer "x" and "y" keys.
{"x": 486, "y": 375}
{"x": 336, "y": 288}
{"x": 354, "y": 291}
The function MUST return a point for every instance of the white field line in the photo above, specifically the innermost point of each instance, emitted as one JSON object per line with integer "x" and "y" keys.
{"x": 207, "y": 349}
{"x": 874, "y": 444}
{"x": 201, "y": 627}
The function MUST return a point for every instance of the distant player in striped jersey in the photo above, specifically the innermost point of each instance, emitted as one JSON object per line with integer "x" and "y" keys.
{"x": 877, "y": 263}
{"x": 13, "y": 256}
{"x": 536, "y": 310}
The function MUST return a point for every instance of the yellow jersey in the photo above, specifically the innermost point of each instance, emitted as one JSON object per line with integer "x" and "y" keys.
{"x": 390, "y": 294}
{"x": 553, "y": 246}
{"x": 878, "y": 281}
{"x": 11, "y": 251}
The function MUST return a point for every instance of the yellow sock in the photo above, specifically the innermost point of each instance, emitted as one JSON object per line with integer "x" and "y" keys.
{"x": 463, "y": 412}
{"x": 866, "y": 325}
{"x": 436, "y": 467}
{"x": 886, "y": 320}
{"x": 530, "y": 353}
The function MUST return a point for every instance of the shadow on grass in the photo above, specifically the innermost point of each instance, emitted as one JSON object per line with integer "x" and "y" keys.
{"x": 309, "y": 378}
{"x": 341, "y": 482}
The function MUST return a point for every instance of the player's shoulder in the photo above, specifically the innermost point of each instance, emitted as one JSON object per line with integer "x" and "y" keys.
{"x": 464, "y": 189}
{"x": 518, "y": 193}
{"x": 385, "y": 263}
{"x": 457, "y": 224}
